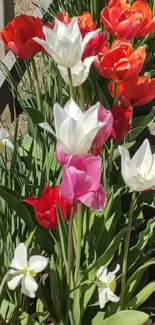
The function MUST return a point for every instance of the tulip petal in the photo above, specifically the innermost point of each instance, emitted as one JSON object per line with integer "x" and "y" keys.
{"x": 37, "y": 263}
{"x": 90, "y": 118}
{"x": 143, "y": 158}
{"x": 59, "y": 117}
{"x": 88, "y": 37}
{"x": 29, "y": 286}
{"x": 66, "y": 187}
{"x": 73, "y": 110}
{"x": 15, "y": 281}
{"x": 20, "y": 257}
{"x": 46, "y": 127}
{"x": 44, "y": 44}
{"x": 95, "y": 200}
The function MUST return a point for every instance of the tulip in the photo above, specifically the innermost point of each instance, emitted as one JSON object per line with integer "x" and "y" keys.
{"x": 121, "y": 61}
{"x": 24, "y": 271}
{"x": 104, "y": 133}
{"x": 19, "y": 33}
{"x": 60, "y": 155}
{"x": 95, "y": 45}
{"x": 135, "y": 91}
{"x": 81, "y": 181}
{"x": 85, "y": 23}
{"x": 64, "y": 43}
{"x": 5, "y": 143}
{"x": 121, "y": 122}
{"x": 108, "y": 285}
{"x": 79, "y": 72}
{"x": 139, "y": 172}
{"x": 45, "y": 207}
{"x": 125, "y": 21}
{"x": 75, "y": 130}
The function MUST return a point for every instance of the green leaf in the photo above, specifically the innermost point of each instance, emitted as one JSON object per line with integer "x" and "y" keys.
{"x": 107, "y": 256}
{"x": 98, "y": 318}
{"x": 63, "y": 235}
{"x": 139, "y": 124}
{"x": 102, "y": 97}
{"x": 134, "y": 280}
{"x": 127, "y": 317}
{"x": 142, "y": 296}
{"x": 17, "y": 206}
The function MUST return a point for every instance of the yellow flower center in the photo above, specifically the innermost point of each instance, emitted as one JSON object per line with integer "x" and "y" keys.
{"x": 33, "y": 274}
{"x": 112, "y": 286}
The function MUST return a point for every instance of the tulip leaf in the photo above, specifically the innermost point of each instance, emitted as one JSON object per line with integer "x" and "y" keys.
{"x": 127, "y": 317}
{"x": 142, "y": 296}
{"x": 134, "y": 280}
{"x": 63, "y": 235}
{"x": 102, "y": 98}
{"x": 11, "y": 314}
{"x": 107, "y": 256}
{"x": 139, "y": 124}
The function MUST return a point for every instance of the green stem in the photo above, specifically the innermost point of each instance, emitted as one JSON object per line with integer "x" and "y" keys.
{"x": 82, "y": 98}
{"x": 113, "y": 146}
{"x": 79, "y": 238}
{"x": 115, "y": 93}
{"x": 38, "y": 92}
{"x": 126, "y": 249}
{"x": 71, "y": 90}
{"x": 70, "y": 260}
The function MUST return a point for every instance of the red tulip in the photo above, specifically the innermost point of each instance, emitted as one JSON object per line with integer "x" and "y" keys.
{"x": 18, "y": 36}
{"x": 62, "y": 16}
{"x": 121, "y": 61}
{"x": 121, "y": 19}
{"x": 95, "y": 45}
{"x": 86, "y": 24}
{"x": 135, "y": 91}
{"x": 121, "y": 122}
{"x": 45, "y": 207}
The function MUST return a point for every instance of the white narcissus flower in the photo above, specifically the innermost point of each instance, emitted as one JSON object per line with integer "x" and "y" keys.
{"x": 108, "y": 285}
{"x": 75, "y": 130}
{"x": 64, "y": 43}
{"x": 24, "y": 271}
{"x": 139, "y": 172}
{"x": 79, "y": 72}
{"x": 4, "y": 141}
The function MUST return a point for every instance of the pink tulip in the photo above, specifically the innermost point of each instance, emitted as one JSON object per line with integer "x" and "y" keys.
{"x": 60, "y": 155}
{"x": 104, "y": 133}
{"x": 81, "y": 181}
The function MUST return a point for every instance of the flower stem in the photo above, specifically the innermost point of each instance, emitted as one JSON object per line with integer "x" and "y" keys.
{"x": 71, "y": 90}
{"x": 70, "y": 260}
{"x": 113, "y": 146}
{"x": 115, "y": 93}
{"x": 38, "y": 92}
{"x": 82, "y": 99}
{"x": 79, "y": 231}
{"x": 126, "y": 249}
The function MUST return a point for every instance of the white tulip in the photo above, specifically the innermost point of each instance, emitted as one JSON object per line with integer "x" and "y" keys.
{"x": 75, "y": 130}
{"x": 139, "y": 172}
{"x": 79, "y": 72}
{"x": 108, "y": 286}
{"x": 64, "y": 43}
{"x": 4, "y": 141}
{"x": 24, "y": 271}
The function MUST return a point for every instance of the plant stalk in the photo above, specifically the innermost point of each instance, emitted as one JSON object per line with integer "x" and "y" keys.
{"x": 113, "y": 146}
{"x": 70, "y": 260}
{"x": 71, "y": 88}
{"x": 126, "y": 249}
{"x": 79, "y": 238}
{"x": 38, "y": 91}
